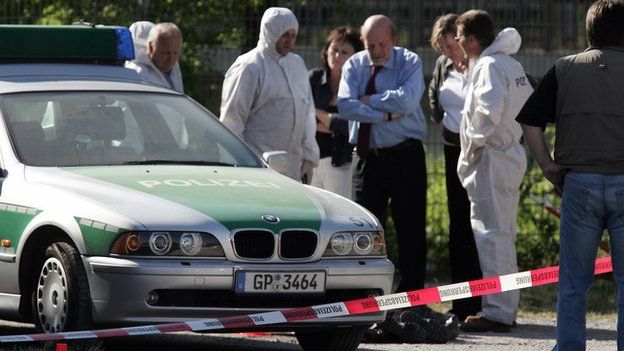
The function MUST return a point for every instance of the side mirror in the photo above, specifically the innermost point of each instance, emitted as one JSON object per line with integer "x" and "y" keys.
{"x": 277, "y": 161}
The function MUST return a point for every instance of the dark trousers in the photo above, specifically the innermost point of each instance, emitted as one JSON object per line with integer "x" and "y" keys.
{"x": 462, "y": 249}
{"x": 398, "y": 174}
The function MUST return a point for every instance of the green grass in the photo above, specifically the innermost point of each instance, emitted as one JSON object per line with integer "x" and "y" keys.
{"x": 543, "y": 299}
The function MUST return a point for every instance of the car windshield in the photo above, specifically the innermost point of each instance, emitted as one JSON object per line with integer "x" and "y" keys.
{"x": 114, "y": 128}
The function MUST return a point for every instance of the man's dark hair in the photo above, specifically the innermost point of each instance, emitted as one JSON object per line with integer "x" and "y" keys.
{"x": 480, "y": 24}
{"x": 343, "y": 35}
{"x": 604, "y": 25}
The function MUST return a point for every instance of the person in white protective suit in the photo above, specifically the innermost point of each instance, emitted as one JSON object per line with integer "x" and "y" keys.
{"x": 267, "y": 100}
{"x": 156, "y": 53}
{"x": 142, "y": 63}
{"x": 492, "y": 161}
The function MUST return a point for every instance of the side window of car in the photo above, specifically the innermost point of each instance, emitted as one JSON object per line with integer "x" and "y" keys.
{"x": 176, "y": 123}
{"x": 29, "y": 111}
{"x": 33, "y": 130}
{"x": 134, "y": 137}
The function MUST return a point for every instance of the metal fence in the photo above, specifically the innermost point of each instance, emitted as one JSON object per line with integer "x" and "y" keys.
{"x": 545, "y": 24}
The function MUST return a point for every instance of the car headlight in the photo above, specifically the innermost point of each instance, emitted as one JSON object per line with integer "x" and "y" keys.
{"x": 186, "y": 244}
{"x": 191, "y": 243}
{"x": 356, "y": 244}
{"x": 341, "y": 243}
{"x": 160, "y": 243}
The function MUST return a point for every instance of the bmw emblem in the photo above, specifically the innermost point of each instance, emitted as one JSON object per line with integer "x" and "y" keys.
{"x": 270, "y": 218}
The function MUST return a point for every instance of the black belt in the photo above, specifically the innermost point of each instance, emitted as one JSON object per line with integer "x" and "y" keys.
{"x": 380, "y": 151}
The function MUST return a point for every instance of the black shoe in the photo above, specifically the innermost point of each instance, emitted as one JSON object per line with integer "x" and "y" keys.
{"x": 461, "y": 315}
{"x": 476, "y": 324}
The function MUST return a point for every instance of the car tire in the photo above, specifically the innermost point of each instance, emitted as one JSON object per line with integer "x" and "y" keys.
{"x": 61, "y": 299}
{"x": 338, "y": 339}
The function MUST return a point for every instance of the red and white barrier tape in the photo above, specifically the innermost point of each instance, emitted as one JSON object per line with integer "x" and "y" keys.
{"x": 546, "y": 205}
{"x": 450, "y": 292}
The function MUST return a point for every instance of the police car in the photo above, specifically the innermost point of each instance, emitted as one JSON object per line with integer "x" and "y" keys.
{"x": 125, "y": 203}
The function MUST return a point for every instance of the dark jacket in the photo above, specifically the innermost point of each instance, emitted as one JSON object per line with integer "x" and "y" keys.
{"x": 590, "y": 110}
{"x": 440, "y": 72}
{"x": 338, "y": 147}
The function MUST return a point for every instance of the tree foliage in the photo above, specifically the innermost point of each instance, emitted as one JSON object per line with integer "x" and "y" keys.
{"x": 204, "y": 23}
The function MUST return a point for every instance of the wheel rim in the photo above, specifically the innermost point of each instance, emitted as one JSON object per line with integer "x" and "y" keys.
{"x": 52, "y": 296}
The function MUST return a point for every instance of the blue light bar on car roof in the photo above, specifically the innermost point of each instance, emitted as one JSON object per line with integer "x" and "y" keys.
{"x": 124, "y": 44}
{"x": 27, "y": 43}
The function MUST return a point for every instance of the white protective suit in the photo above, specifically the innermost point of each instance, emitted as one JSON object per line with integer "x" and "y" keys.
{"x": 144, "y": 66}
{"x": 492, "y": 162}
{"x": 267, "y": 100}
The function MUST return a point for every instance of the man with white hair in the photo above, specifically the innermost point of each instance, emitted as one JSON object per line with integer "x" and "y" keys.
{"x": 157, "y": 49}
{"x": 267, "y": 100}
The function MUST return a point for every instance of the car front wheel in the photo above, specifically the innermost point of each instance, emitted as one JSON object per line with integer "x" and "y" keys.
{"x": 61, "y": 297}
{"x": 337, "y": 339}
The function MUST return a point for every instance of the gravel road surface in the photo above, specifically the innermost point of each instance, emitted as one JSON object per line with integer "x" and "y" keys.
{"x": 531, "y": 334}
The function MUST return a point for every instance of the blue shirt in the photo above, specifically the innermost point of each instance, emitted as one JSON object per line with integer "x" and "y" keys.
{"x": 400, "y": 86}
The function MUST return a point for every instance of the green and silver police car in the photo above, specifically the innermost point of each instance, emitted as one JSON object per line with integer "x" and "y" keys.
{"x": 124, "y": 203}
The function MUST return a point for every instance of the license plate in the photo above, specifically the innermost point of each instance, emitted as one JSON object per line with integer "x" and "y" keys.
{"x": 280, "y": 282}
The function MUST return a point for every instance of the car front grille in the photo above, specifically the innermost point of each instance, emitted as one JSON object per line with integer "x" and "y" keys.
{"x": 296, "y": 244}
{"x": 229, "y": 299}
{"x": 255, "y": 244}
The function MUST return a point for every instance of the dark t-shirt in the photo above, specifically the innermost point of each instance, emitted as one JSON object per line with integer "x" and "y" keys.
{"x": 541, "y": 107}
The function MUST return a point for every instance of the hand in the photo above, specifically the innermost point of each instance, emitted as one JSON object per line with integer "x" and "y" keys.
{"x": 321, "y": 128}
{"x": 323, "y": 116}
{"x": 306, "y": 171}
{"x": 365, "y": 99}
{"x": 554, "y": 173}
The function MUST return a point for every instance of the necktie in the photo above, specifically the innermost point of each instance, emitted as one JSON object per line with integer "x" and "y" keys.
{"x": 364, "y": 131}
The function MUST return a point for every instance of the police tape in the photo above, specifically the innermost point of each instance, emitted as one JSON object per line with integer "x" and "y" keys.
{"x": 486, "y": 286}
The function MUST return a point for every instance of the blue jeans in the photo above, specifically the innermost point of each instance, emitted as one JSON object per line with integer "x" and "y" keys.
{"x": 591, "y": 203}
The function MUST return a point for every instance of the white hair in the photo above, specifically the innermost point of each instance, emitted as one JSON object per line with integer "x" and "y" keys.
{"x": 165, "y": 29}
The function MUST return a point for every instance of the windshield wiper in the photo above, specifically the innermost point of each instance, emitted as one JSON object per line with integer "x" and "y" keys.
{"x": 178, "y": 162}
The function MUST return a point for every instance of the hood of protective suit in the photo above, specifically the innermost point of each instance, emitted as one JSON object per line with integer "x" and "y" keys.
{"x": 507, "y": 42}
{"x": 275, "y": 22}
{"x": 140, "y": 32}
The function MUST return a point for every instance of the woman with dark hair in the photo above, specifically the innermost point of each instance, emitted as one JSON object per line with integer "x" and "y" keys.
{"x": 334, "y": 170}
{"x": 447, "y": 93}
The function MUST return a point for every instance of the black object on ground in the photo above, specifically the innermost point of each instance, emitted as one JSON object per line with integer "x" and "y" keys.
{"x": 415, "y": 325}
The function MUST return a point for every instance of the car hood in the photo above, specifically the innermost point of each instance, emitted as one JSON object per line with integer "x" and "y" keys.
{"x": 233, "y": 196}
